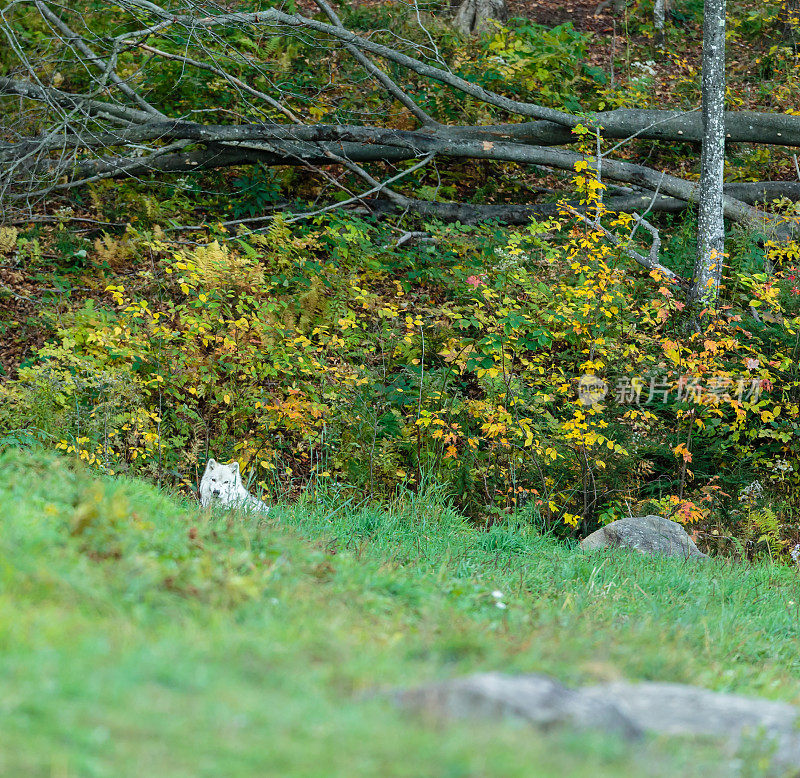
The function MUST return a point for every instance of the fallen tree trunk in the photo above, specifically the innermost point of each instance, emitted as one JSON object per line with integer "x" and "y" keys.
{"x": 319, "y": 145}
{"x": 663, "y": 125}
{"x": 115, "y": 126}
{"x": 517, "y": 214}
{"x": 622, "y": 123}
{"x": 269, "y": 139}
{"x": 514, "y": 214}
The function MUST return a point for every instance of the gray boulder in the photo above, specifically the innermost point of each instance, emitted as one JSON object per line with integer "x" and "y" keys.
{"x": 625, "y": 709}
{"x": 646, "y": 534}
{"x": 535, "y": 699}
{"x": 682, "y": 710}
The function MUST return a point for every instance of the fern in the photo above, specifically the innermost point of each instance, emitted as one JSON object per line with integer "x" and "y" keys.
{"x": 216, "y": 266}
{"x": 8, "y": 239}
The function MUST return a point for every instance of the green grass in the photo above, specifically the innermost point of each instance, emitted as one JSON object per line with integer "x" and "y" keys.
{"x": 140, "y": 636}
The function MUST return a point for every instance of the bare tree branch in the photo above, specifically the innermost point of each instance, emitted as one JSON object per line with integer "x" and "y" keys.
{"x": 295, "y": 21}
{"x": 650, "y": 261}
{"x": 374, "y": 70}
{"x": 237, "y": 82}
{"x": 109, "y": 121}
{"x": 106, "y": 67}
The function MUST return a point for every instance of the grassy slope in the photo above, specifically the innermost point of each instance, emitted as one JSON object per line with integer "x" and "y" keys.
{"x": 130, "y": 648}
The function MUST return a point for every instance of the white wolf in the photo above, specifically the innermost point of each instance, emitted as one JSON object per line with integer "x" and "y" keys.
{"x": 223, "y": 484}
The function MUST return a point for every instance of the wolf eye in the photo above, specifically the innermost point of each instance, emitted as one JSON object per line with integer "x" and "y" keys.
{"x": 213, "y": 480}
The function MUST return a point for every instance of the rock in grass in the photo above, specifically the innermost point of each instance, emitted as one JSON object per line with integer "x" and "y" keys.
{"x": 683, "y": 710}
{"x": 647, "y": 534}
{"x": 625, "y": 709}
{"x": 535, "y": 699}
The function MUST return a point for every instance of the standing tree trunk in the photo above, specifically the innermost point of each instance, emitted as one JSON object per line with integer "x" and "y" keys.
{"x": 617, "y": 6}
{"x": 658, "y": 21}
{"x": 791, "y": 20}
{"x": 473, "y": 16}
{"x": 710, "y": 224}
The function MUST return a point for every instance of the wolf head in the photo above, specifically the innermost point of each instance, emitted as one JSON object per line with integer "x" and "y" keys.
{"x": 220, "y": 483}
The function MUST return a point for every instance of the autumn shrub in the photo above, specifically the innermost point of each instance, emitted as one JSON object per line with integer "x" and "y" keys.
{"x": 536, "y": 368}
{"x": 548, "y": 62}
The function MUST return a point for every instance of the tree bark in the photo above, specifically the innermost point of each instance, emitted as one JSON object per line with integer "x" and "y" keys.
{"x": 280, "y": 144}
{"x": 658, "y": 21}
{"x": 791, "y": 15}
{"x": 774, "y": 129}
{"x": 711, "y": 224}
{"x": 475, "y": 16}
{"x": 617, "y": 6}
{"x": 635, "y": 202}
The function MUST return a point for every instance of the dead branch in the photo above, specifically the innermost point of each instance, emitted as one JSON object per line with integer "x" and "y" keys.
{"x": 115, "y": 128}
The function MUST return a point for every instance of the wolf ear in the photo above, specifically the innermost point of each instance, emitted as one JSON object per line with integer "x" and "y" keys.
{"x": 211, "y": 464}
{"x": 235, "y": 467}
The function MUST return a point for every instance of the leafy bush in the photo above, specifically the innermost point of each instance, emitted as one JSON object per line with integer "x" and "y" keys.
{"x": 547, "y": 62}
{"x": 321, "y": 353}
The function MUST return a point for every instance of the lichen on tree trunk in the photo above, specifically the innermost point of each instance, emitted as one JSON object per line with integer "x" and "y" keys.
{"x": 710, "y": 225}
{"x": 659, "y": 10}
{"x": 473, "y": 16}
